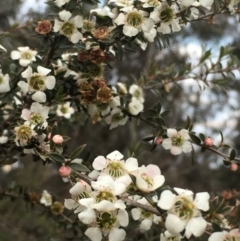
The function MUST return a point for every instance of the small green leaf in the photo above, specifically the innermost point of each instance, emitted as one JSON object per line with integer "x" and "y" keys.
{"x": 188, "y": 123}
{"x": 77, "y": 152}
{"x": 221, "y": 136}
{"x": 202, "y": 137}
{"x": 79, "y": 167}
{"x": 66, "y": 138}
{"x": 195, "y": 139}
{"x": 205, "y": 56}
{"x": 232, "y": 154}
{"x": 56, "y": 157}
{"x": 226, "y": 162}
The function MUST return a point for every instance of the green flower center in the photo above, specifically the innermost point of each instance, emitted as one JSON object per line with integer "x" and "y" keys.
{"x": 105, "y": 195}
{"x": 153, "y": 3}
{"x": 167, "y": 15}
{"x": 37, "y": 82}
{"x": 26, "y": 55}
{"x": 88, "y": 26}
{"x": 117, "y": 117}
{"x": 177, "y": 140}
{"x": 106, "y": 220}
{"x": 115, "y": 169}
{"x": 24, "y": 133}
{"x": 134, "y": 19}
{"x": 68, "y": 28}
{"x": 147, "y": 179}
{"x": 184, "y": 208}
{"x": 146, "y": 214}
{"x": 64, "y": 110}
{"x": 36, "y": 118}
{"x": 173, "y": 238}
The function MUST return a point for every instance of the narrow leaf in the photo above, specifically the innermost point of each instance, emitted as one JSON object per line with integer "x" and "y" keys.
{"x": 232, "y": 154}
{"x": 79, "y": 167}
{"x": 195, "y": 139}
{"x": 77, "y": 152}
{"x": 56, "y": 157}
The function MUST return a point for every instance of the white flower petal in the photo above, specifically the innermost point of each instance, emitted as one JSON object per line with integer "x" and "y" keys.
{"x": 50, "y": 82}
{"x": 65, "y": 15}
{"x": 167, "y": 200}
{"x": 130, "y": 31}
{"x": 76, "y": 189}
{"x": 202, "y": 201}
{"x": 195, "y": 226}
{"x": 115, "y": 155}
{"x": 43, "y": 71}
{"x": 174, "y": 224}
{"x": 136, "y": 213}
{"x": 24, "y": 86}
{"x": 27, "y": 73}
{"x": 116, "y": 235}
{"x": 39, "y": 96}
{"x": 176, "y": 150}
{"x": 70, "y": 204}
{"x": 15, "y": 55}
{"x": 94, "y": 234}
{"x": 217, "y": 236}
{"x": 146, "y": 224}
{"x": 87, "y": 216}
{"x": 122, "y": 217}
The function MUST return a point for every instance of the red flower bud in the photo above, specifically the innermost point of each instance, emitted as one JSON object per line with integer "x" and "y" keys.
{"x": 233, "y": 167}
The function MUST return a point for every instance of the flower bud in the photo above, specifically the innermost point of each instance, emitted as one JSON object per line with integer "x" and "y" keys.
{"x": 208, "y": 142}
{"x": 64, "y": 171}
{"x": 158, "y": 140}
{"x": 57, "y": 208}
{"x": 57, "y": 139}
{"x": 233, "y": 167}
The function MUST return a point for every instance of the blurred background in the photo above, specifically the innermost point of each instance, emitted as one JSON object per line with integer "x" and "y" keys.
{"x": 211, "y": 108}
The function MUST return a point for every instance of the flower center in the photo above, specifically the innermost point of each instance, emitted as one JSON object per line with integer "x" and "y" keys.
{"x": 117, "y": 117}
{"x": 115, "y": 169}
{"x": 106, "y": 220}
{"x": 134, "y": 19}
{"x": 68, "y": 28}
{"x": 105, "y": 195}
{"x": 167, "y": 15}
{"x": 153, "y": 3}
{"x": 24, "y": 133}
{"x": 36, "y": 82}
{"x": 36, "y": 118}
{"x": 88, "y": 26}
{"x": 146, "y": 214}
{"x": 147, "y": 179}
{"x": 26, "y": 55}
{"x": 64, "y": 110}
{"x": 184, "y": 208}
{"x": 177, "y": 140}
{"x": 83, "y": 195}
{"x": 173, "y": 238}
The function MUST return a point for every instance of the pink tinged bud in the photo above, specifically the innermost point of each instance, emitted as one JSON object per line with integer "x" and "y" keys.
{"x": 49, "y": 136}
{"x": 57, "y": 139}
{"x": 233, "y": 167}
{"x": 208, "y": 142}
{"x": 64, "y": 171}
{"x": 158, "y": 140}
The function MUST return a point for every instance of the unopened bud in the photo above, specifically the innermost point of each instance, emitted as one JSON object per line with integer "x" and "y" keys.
{"x": 158, "y": 140}
{"x": 64, "y": 171}
{"x": 57, "y": 139}
{"x": 233, "y": 167}
{"x": 208, "y": 142}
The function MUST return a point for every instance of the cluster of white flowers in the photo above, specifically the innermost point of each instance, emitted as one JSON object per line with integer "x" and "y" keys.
{"x": 99, "y": 205}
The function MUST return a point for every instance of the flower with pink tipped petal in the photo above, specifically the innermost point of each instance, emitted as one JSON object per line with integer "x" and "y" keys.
{"x": 149, "y": 178}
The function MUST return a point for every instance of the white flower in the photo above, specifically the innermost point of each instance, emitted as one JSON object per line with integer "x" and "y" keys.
{"x": 25, "y": 55}
{"x": 134, "y": 21}
{"x": 68, "y": 27}
{"x": 109, "y": 223}
{"x": 135, "y": 107}
{"x": 184, "y": 212}
{"x": 206, "y": 3}
{"x": 136, "y": 92}
{"x": 122, "y": 3}
{"x": 116, "y": 118}
{"x": 234, "y": 234}
{"x": 177, "y": 142}
{"x": 105, "y": 11}
{"x": 116, "y": 167}
{"x": 61, "y": 2}
{"x": 151, "y": 3}
{"x": 38, "y": 114}
{"x": 4, "y": 82}
{"x": 37, "y": 83}
{"x": 169, "y": 237}
{"x": 46, "y": 198}
{"x": 65, "y": 110}
{"x": 4, "y": 137}
{"x": 149, "y": 178}
{"x": 146, "y": 217}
